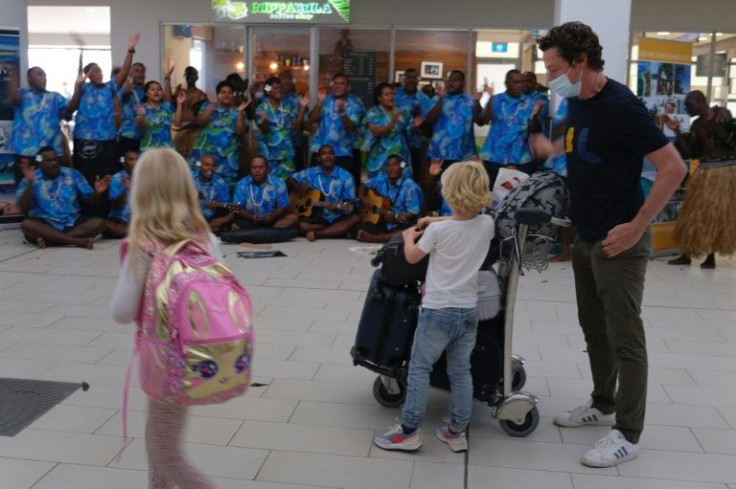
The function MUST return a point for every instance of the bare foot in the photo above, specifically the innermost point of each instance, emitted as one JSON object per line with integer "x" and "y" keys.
{"x": 365, "y": 237}
{"x": 310, "y": 236}
{"x": 41, "y": 243}
{"x": 564, "y": 256}
{"x": 88, "y": 243}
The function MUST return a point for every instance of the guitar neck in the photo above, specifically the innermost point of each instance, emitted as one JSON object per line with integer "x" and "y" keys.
{"x": 223, "y": 205}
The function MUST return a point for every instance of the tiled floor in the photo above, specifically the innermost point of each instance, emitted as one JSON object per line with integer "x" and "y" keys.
{"x": 312, "y": 423}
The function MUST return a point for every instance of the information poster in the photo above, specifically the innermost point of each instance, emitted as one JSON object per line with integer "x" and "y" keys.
{"x": 663, "y": 82}
{"x": 9, "y": 56}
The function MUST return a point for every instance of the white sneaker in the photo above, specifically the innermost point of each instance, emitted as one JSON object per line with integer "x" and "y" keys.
{"x": 585, "y": 415}
{"x": 610, "y": 451}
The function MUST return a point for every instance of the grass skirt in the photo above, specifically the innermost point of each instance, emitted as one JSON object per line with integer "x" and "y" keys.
{"x": 707, "y": 221}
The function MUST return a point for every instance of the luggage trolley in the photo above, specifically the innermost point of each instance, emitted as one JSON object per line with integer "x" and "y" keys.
{"x": 384, "y": 348}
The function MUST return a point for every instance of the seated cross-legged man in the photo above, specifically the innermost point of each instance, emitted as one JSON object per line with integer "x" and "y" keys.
{"x": 332, "y": 191}
{"x": 214, "y": 194}
{"x": 50, "y": 197}
{"x": 262, "y": 199}
{"x": 390, "y": 202}
{"x": 116, "y": 225}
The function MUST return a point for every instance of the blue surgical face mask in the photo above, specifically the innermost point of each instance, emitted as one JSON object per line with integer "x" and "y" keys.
{"x": 564, "y": 87}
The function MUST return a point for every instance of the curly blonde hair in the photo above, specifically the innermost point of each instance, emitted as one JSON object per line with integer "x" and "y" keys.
{"x": 465, "y": 186}
{"x": 164, "y": 202}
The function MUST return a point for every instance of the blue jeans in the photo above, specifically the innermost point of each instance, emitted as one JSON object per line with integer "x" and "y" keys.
{"x": 452, "y": 330}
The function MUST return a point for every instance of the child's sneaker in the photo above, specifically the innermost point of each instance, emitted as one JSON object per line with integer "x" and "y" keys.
{"x": 458, "y": 442}
{"x": 610, "y": 451}
{"x": 585, "y": 415}
{"x": 396, "y": 439}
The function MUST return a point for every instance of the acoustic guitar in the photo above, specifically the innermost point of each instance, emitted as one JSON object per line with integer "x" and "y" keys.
{"x": 376, "y": 212}
{"x": 231, "y": 206}
{"x": 303, "y": 205}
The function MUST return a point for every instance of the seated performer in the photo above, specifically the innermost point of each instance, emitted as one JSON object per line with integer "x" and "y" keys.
{"x": 214, "y": 193}
{"x": 402, "y": 203}
{"x": 262, "y": 199}
{"x": 50, "y": 197}
{"x": 116, "y": 225}
{"x": 336, "y": 185}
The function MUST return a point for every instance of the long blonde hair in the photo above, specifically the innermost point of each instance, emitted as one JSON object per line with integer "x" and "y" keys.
{"x": 164, "y": 202}
{"x": 465, "y": 186}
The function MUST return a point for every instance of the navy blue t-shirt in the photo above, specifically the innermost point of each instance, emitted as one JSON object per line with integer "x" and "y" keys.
{"x": 607, "y": 138}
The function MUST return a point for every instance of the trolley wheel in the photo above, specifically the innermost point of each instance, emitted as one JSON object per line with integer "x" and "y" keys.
{"x": 527, "y": 427}
{"x": 386, "y": 398}
{"x": 519, "y": 379}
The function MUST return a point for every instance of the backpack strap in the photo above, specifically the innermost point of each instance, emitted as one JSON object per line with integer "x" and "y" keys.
{"x": 126, "y": 392}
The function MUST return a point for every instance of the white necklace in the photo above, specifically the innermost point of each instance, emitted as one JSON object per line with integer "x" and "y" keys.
{"x": 257, "y": 205}
{"x": 327, "y": 194}
{"x": 280, "y": 119}
{"x": 504, "y": 102}
{"x": 46, "y": 192}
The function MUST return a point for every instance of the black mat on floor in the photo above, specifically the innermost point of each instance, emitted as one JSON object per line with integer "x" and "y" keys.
{"x": 23, "y": 401}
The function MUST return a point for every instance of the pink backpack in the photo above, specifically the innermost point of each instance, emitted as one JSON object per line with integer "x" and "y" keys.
{"x": 195, "y": 335}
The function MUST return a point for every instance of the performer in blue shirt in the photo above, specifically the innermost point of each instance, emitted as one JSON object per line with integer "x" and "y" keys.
{"x": 36, "y": 121}
{"x": 262, "y": 199}
{"x": 119, "y": 217}
{"x": 214, "y": 193}
{"x": 404, "y": 196}
{"x": 410, "y": 99}
{"x": 155, "y": 116}
{"x": 131, "y": 96}
{"x": 338, "y": 118}
{"x": 50, "y": 197}
{"x": 510, "y": 115}
{"x": 337, "y": 187}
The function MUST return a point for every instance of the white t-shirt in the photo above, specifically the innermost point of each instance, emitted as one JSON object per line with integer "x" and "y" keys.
{"x": 456, "y": 250}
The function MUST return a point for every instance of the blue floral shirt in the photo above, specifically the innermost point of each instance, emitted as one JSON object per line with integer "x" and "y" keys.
{"x": 158, "y": 126}
{"x": 128, "y": 102}
{"x": 332, "y": 131}
{"x": 544, "y": 112}
{"x": 56, "y": 200}
{"x": 395, "y": 141}
{"x": 558, "y": 164}
{"x": 117, "y": 188}
{"x": 36, "y": 122}
{"x": 261, "y": 200}
{"x": 405, "y": 195}
{"x": 336, "y": 187}
{"x": 453, "y": 137}
{"x": 416, "y": 105}
{"x": 277, "y": 145}
{"x": 95, "y": 117}
{"x": 218, "y": 139}
{"x": 215, "y": 190}
{"x": 507, "y": 139}
{"x": 292, "y": 101}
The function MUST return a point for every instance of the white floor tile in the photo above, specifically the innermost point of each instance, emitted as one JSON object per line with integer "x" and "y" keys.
{"x": 484, "y": 477}
{"x": 66, "y": 476}
{"x": 73, "y": 419}
{"x": 22, "y": 474}
{"x": 54, "y": 446}
{"x": 436, "y": 476}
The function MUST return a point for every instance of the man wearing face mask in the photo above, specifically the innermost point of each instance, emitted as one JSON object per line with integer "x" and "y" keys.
{"x": 604, "y": 160}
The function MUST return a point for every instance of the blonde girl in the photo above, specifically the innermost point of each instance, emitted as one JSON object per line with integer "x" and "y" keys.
{"x": 164, "y": 210}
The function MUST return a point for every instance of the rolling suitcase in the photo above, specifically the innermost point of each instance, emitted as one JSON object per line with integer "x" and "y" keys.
{"x": 386, "y": 326}
{"x": 396, "y": 270}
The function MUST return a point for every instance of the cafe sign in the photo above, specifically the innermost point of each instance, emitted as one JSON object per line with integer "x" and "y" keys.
{"x": 327, "y": 11}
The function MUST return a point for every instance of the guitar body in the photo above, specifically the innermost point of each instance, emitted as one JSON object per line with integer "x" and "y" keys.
{"x": 303, "y": 205}
{"x": 376, "y": 212}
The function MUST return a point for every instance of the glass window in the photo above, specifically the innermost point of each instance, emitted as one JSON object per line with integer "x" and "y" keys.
{"x": 361, "y": 54}
{"x": 216, "y": 50}
{"x": 278, "y": 49}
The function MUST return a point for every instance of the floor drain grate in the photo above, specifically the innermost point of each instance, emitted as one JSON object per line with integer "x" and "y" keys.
{"x": 23, "y": 401}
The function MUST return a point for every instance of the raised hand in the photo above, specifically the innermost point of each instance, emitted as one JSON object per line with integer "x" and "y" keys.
{"x": 140, "y": 110}
{"x": 244, "y": 105}
{"x": 435, "y": 167}
{"x": 340, "y": 106}
{"x": 321, "y": 94}
{"x": 29, "y": 172}
{"x": 170, "y": 72}
{"x": 133, "y": 40}
{"x": 181, "y": 98}
{"x": 81, "y": 78}
{"x": 304, "y": 100}
{"x": 537, "y": 108}
{"x": 102, "y": 184}
{"x": 418, "y": 121}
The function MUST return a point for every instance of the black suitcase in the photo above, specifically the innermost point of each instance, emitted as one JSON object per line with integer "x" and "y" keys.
{"x": 396, "y": 270}
{"x": 386, "y": 327}
{"x": 486, "y": 362}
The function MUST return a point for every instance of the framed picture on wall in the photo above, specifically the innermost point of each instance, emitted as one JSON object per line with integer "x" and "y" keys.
{"x": 399, "y": 76}
{"x": 431, "y": 69}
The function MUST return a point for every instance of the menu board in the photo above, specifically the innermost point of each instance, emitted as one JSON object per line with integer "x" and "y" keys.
{"x": 360, "y": 68}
